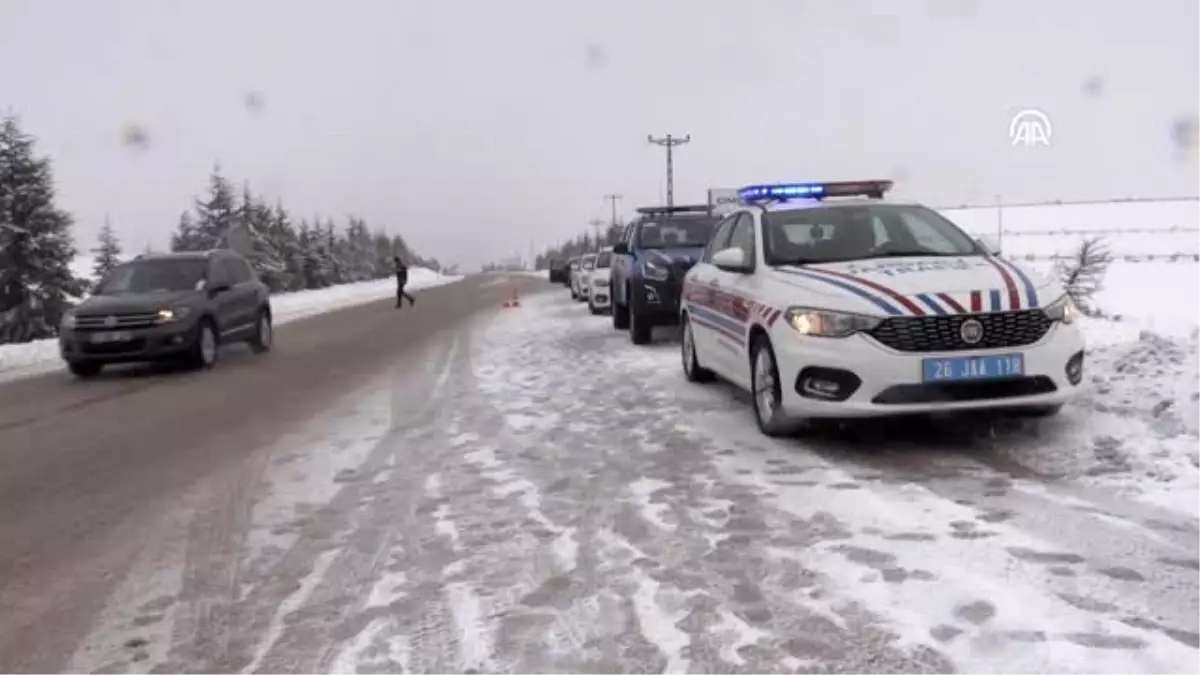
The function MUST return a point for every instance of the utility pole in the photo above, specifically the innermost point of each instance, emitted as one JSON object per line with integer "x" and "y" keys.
{"x": 613, "y": 201}
{"x": 669, "y": 142}
{"x": 599, "y": 225}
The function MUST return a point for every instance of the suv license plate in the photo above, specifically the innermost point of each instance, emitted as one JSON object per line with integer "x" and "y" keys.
{"x": 107, "y": 337}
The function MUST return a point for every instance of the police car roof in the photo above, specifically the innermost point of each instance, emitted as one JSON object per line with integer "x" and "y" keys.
{"x": 801, "y": 204}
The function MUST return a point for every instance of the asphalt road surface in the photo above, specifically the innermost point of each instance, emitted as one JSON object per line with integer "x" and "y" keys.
{"x": 84, "y": 466}
{"x": 463, "y": 488}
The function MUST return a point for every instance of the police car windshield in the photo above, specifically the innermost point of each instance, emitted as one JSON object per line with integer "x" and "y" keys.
{"x": 589, "y": 263}
{"x": 861, "y": 231}
{"x": 676, "y": 232}
{"x": 154, "y": 276}
{"x": 604, "y": 261}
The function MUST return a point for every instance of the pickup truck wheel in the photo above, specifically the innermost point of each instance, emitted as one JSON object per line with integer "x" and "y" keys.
{"x": 620, "y": 314}
{"x": 640, "y": 328}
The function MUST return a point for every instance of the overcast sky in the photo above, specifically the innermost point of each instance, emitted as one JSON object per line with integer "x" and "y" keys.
{"x": 477, "y": 127}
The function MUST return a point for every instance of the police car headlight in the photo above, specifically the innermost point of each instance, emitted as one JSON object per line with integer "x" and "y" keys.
{"x": 1063, "y": 309}
{"x": 655, "y": 270}
{"x": 823, "y": 323}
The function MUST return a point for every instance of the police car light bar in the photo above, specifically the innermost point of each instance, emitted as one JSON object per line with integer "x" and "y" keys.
{"x": 874, "y": 189}
{"x": 691, "y": 208}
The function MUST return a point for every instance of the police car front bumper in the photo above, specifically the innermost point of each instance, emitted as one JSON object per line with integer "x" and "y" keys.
{"x": 859, "y": 377}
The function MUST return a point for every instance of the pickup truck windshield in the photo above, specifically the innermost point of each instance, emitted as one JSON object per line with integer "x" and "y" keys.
{"x": 676, "y": 232}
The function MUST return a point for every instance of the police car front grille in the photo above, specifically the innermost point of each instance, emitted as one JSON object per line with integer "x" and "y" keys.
{"x": 943, "y": 333}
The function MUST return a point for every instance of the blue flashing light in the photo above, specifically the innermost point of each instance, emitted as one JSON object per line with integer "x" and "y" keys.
{"x": 786, "y": 191}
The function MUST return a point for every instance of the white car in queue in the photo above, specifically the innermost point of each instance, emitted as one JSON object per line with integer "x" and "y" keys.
{"x": 599, "y": 294}
{"x": 824, "y": 300}
{"x": 579, "y": 280}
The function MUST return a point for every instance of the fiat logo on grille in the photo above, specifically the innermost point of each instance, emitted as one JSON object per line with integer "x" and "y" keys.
{"x": 110, "y": 321}
{"x": 971, "y": 331}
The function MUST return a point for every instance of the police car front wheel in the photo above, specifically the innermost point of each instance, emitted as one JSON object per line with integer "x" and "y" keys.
{"x": 692, "y": 370}
{"x": 767, "y": 393}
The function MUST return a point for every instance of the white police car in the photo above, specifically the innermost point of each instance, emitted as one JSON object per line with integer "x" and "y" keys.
{"x": 826, "y": 301}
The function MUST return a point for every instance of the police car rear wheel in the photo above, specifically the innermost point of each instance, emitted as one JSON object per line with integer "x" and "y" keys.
{"x": 691, "y": 363}
{"x": 765, "y": 390}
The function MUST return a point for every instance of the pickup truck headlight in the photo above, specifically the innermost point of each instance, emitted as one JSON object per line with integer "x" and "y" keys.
{"x": 824, "y": 323}
{"x": 172, "y": 314}
{"x": 655, "y": 270}
{"x": 1063, "y": 309}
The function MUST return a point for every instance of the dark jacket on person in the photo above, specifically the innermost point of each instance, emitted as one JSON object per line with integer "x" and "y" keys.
{"x": 401, "y": 272}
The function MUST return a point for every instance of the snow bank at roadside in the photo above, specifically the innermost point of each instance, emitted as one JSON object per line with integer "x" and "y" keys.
{"x": 41, "y": 356}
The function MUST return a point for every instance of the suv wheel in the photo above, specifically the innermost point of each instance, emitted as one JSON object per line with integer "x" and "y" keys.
{"x": 206, "y": 348}
{"x": 264, "y": 334}
{"x": 692, "y": 369}
{"x": 84, "y": 369}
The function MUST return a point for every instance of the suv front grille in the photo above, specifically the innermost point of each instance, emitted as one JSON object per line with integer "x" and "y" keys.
{"x": 943, "y": 333}
{"x": 115, "y": 321}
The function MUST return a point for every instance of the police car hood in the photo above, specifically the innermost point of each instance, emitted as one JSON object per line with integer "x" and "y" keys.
{"x": 924, "y": 285}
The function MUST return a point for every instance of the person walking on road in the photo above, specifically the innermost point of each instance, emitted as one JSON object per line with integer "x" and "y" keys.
{"x": 401, "y": 281}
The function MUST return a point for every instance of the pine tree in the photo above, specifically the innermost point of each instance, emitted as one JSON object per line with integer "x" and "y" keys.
{"x": 108, "y": 252}
{"x": 1082, "y": 275}
{"x": 186, "y": 237}
{"x": 287, "y": 244}
{"x": 35, "y": 242}
{"x": 383, "y": 265}
{"x": 217, "y": 215}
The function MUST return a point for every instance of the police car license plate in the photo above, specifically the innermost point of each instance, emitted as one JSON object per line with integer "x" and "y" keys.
{"x": 111, "y": 336}
{"x": 968, "y": 368}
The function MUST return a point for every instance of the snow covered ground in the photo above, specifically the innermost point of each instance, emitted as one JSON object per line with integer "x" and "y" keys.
{"x": 41, "y": 356}
{"x": 540, "y": 495}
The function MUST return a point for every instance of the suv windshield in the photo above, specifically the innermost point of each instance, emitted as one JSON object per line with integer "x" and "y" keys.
{"x": 861, "y": 231}
{"x": 604, "y": 260}
{"x": 589, "y": 263}
{"x": 676, "y": 231}
{"x": 153, "y": 276}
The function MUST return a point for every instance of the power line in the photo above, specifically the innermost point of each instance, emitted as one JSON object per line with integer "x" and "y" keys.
{"x": 599, "y": 225}
{"x": 670, "y": 142}
{"x": 613, "y": 201}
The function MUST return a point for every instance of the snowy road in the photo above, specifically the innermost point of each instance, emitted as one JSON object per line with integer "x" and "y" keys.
{"x": 530, "y": 493}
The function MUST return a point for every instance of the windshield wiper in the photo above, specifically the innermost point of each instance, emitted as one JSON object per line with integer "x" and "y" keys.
{"x": 916, "y": 254}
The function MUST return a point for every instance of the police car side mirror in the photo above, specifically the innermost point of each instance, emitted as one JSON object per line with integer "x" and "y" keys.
{"x": 989, "y": 243}
{"x": 731, "y": 260}
{"x": 621, "y": 248}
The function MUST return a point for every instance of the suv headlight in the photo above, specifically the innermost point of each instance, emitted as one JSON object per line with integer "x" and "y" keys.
{"x": 173, "y": 314}
{"x": 1063, "y": 309}
{"x": 68, "y": 320}
{"x": 824, "y": 323}
{"x": 655, "y": 270}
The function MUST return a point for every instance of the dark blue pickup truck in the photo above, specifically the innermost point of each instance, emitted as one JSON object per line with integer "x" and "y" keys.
{"x": 654, "y": 252}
